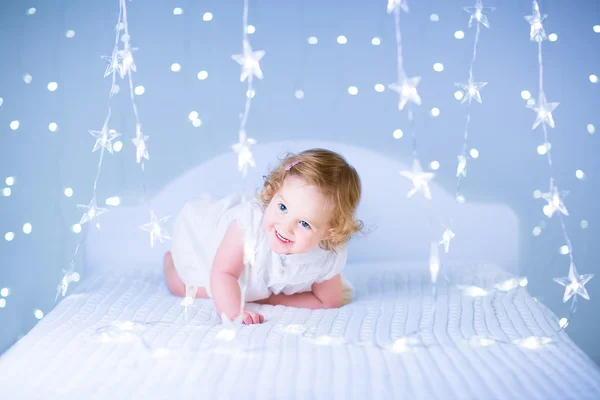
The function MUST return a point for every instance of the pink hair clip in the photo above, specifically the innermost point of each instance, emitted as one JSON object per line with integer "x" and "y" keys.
{"x": 291, "y": 165}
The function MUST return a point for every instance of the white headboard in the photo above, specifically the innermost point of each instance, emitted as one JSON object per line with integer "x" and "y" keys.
{"x": 403, "y": 230}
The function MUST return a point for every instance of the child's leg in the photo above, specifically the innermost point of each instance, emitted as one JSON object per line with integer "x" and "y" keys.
{"x": 176, "y": 286}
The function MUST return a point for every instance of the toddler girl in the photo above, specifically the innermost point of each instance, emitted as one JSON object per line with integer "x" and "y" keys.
{"x": 286, "y": 247}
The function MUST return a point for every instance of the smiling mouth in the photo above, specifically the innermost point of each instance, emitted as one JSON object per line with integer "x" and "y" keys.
{"x": 281, "y": 238}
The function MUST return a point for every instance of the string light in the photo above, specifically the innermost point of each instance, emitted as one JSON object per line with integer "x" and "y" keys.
{"x": 122, "y": 62}
{"x": 478, "y": 14}
{"x": 397, "y": 5}
{"x": 419, "y": 178}
{"x": 250, "y": 63}
{"x": 467, "y": 92}
{"x": 156, "y": 228}
{"x": 342, "y": 39}
{"x": 532, "y": 342}
{"x": 573, "y": 283}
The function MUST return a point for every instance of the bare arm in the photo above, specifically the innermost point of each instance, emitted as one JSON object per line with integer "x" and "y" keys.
{"x": 227, "y": 268}
{"x": 327, "y": 294}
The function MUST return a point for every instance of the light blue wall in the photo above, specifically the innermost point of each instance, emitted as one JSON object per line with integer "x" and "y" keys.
{"x": 509, "y": 169}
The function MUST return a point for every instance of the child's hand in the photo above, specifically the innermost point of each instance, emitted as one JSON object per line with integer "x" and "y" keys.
{"x": 251, "y": 317}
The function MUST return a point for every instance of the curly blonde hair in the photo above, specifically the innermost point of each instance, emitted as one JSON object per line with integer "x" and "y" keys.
{"x": 337, "y": 180}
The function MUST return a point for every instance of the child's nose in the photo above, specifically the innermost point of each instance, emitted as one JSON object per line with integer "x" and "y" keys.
{"x": 290, "y": 224}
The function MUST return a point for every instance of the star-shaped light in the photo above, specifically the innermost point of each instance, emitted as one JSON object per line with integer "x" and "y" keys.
{"x": 471, "y": 90}
{"x": 574, "y": 284}
{"x": 68, "y": 277}
{"x": 554, "y": 197}
{"x": 141, "y": 151}
{"x": 544, "y": 110}
{"x": 407, "y": 90}
{"x": 113, "y": 63}
{"x": 92, "y": 211}
{"x": 104, "y": 138}
{"x": 126, "y": 57}
{"x": 447, "y": 236}
{"x": 461, "y": 169}
{"x": 230, "y": 327}
{"x": 394, "y": 4}
{"x": 188, "y": 300}
{"x": 419, "y": 179}
{"x": 156, "y": 228}
{"x": 532, "y": 342}
{"x": 473, "y": 291}
{"x": 244, "y": 152}
{"x": 477, "y": 13}
{"x": 511, "y": 284}
{"x": 249, "y": 60}
{"x": 536, "y": 33}
{"x": 481, "y": 341}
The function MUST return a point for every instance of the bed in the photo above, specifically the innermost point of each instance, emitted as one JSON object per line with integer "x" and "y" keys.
{"x": 119, "y": 333}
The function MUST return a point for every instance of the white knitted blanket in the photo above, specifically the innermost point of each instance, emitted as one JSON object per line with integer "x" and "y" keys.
{"x": 126, "y": 338}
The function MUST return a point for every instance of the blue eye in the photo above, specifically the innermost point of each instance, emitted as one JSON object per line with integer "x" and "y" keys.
{"x": 282, "y": 207}
{"x": 305, "y": 224}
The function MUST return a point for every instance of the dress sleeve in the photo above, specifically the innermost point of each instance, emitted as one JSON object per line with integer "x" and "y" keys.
{"x": 335, "y": 264}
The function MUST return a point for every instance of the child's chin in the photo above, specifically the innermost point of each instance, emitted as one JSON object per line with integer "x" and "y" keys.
{"x": 278, "y": 247}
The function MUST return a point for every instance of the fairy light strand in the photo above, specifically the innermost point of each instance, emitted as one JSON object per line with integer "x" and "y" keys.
{"x": 470, "y": 91}
{"x": 249, "y": 61}
{"x": 105, "y": 142}
{"x": 120, "y": 61}
{"x": 574, "y": 283}
{"x": 155, "y": 227}
{"x": 406, "y": 89}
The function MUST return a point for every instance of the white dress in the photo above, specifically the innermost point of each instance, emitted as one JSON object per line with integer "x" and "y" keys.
{"x": 200, "y": 227}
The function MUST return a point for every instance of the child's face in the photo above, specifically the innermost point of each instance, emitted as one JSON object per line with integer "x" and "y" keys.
{"x": 297, "y": 217}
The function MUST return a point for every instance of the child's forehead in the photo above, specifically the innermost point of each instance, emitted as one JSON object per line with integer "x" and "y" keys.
{"x": 304, "y": 197}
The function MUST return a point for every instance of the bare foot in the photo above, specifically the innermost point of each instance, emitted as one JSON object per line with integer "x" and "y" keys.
{"x": 174, "y": 283}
